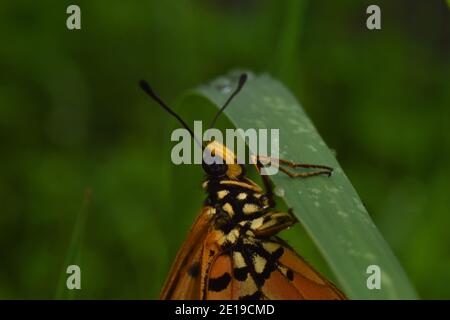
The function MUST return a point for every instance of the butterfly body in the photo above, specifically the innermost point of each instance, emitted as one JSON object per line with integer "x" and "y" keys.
{"x": 239, "y": 255}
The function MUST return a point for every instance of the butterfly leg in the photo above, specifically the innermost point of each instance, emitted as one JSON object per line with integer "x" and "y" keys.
{"x": 322, "y": 169}
{"x": 267, "y": 183}
{"x": 272, "y": 222}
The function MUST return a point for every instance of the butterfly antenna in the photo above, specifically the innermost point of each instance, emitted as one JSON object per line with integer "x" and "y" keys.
{"x": 242, "y": 80}
{"x": 149, "y": 91}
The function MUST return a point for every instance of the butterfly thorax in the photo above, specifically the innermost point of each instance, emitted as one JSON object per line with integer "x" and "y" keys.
{"x": 235, "y": 204}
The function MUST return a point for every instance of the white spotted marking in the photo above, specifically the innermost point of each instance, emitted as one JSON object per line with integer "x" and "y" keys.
{"x": 242, "y": 196}
{"x": 250, "y": 208}
{"x": 228, "y": 209}
{"x": 238, "y": 260}
{"x": 260, "y": 263}
{"x": 222, "y": 194}
{"x": 256, "y": 223}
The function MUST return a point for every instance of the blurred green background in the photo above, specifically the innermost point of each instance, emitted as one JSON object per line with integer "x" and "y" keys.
{"x": 72, "y": 118}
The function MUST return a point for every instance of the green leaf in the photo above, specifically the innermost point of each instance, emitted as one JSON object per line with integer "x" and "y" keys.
{"x": 329, "y": 209}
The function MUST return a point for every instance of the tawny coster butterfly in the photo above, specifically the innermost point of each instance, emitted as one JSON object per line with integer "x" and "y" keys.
{"x": 232, "y": 250}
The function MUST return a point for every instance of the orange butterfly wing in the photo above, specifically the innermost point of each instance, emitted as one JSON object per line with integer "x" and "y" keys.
{"x": 220, "y": 272}
{"x": 183, "y": 282}
{"x": 261, "y": 269}
{"x": 296, "y": 279}
{"x": 284, "y": 275}
{"x": 222, "y": 284}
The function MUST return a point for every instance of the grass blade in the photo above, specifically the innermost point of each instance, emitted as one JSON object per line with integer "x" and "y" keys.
{"x": 73, "y": 255}
{"x": 329, "y": 209}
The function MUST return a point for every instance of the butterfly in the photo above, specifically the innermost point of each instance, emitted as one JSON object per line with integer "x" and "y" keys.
{"x": 232, "y": 251}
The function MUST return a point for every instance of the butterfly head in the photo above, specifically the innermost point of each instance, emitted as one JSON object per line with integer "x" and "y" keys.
{"x": 219, "y": 161}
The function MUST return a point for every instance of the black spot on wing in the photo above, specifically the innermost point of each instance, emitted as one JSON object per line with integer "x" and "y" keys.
{"x": 290, "y": 275}
{"x": 220, "y": 283}
{"x": 241, "y": 273}
{"x": 194, "y": 270}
